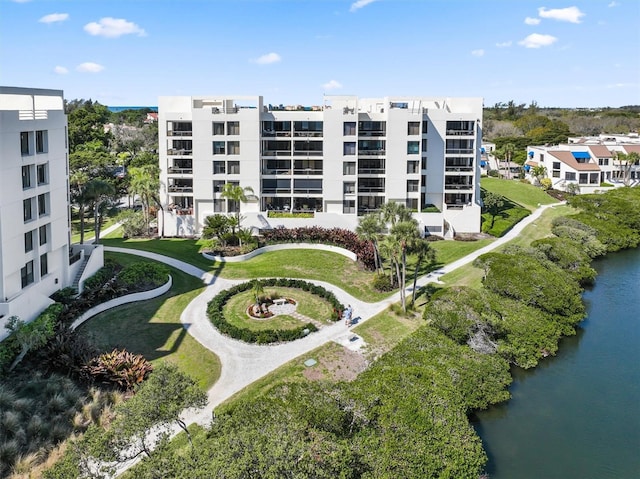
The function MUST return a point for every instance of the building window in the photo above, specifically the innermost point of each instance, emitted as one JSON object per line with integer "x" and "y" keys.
{"x": 28, "y": 241}
{"x": 349, "y": 206}
{"x": 412, "y": 186}
{"x": 233, "y": 147}
{"x": 27, "y": 274}
{"x": 413, "y": 147}
{"x": 43, "y": 177}
{"x": 413, "y": 167}
{"x": 218, "y": 147}
{"x": 413, "y": 128}
{"x": 219, "y": 168}
{"x": 349, "y": 128}
{"x": 218, "y": 128}
{"x": 594, "y": 178}
{"x": 424, "y": 145}
{"x": 44, "y": 265}
{"x": 42, "y": 233}
{"x": 26, "y": 176}
{"x": 423, "y": 163}
{"x": 349, "y": 148}
{"x": 41, "y": 141}
{"x": 425, "y": 124}
{"x": 24, "y": 143}
{"x": 349, "y": 187}
{"x": 556, "y": 165}
{"x": 234, "y": 167}
{"x": 603, "y": 161}
{"x": 556, "y": 173}
{"x": 233, "y": 128}
{"x": 218, "y": 185}
{"x": 42, "y": 204}
{"x": 541, "y": 157}
{"x": 583, "y": 178}
{"x": 218, "y": 205}
{"x": 412, "y": 204}
{"x": 349, "y": 168}
{"x": 27, "y": 209}
{"x": 570, "y": 176}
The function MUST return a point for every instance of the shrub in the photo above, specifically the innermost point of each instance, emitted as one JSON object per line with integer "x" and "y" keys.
{"x": 103, "y": 275}
{"x": 119, "y": 367}
{"x": 143, "y": 276}
{"x": 133, "y": 223}
{"x": 382, "y": 282}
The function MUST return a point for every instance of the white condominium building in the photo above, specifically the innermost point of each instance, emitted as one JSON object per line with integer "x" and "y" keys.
{"x": 335, "y": 162}
{"x": 35, "y": 255}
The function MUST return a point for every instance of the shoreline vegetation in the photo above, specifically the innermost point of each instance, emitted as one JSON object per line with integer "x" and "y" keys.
{"x": 407, "y": 415}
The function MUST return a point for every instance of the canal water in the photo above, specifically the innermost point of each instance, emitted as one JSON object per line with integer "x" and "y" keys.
{"x": 577, "y": 415}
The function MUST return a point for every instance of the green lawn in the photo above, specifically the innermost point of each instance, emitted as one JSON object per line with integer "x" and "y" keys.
{"x": 307, "y": 264}
{"x": 385, "y": 330}
{"x": 235, "y": 310}
{"x": 153, "y": 327}
{"x": 523, "y": 194}
{"x": 88, "y": 228}
{"x": 187, "y": 250}
{"x": 450, "y": 251}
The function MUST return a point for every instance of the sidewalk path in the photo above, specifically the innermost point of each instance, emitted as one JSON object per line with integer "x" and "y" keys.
{"x": 242, "y": 363}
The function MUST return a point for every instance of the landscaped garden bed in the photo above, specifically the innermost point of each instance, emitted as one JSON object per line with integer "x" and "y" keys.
{"x": 228, "y": 310}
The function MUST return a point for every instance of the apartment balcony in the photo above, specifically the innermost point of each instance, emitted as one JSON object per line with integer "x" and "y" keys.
{"x": 180, "y": 189}
{"x": 307, "y": 153}
{"x": 460, "y": 151}
{"x": 370, "y": 189}
{"x": 372, "y": 152}
{"x": 272, "y": 171}
{"x": 179, "y": 171}
{"x": 460, "y": 132}
{"x": 179, "y": 152}
{"x": 179, "y": 133}
{"x": 372, "y": 133}
{"x": 371, "y": 171}
{"x": 458, "y": 186}
{"x": 308, "y": 134}
{"x": 458, "y": 169}
{"x": 278, "y": 191}
{"x": 276, "y": 153}
{"x": 307, "y": 171}
{"x": 274, "y": 133}
{"x": 308, "y": 191}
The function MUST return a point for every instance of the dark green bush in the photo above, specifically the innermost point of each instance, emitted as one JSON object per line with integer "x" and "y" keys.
{"x": 143, "y": 276}
{"x": 382, "y": 282}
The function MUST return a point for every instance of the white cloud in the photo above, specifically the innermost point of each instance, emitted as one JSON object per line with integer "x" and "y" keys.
{"x": 357, "y": 5}
{"x": 613, "y": 4}
{"x": 332, "y": 85}
{"x": 503, "y": 44}
{"x": 478, "y": 53}
{"x": 531, "y": 21}
{"x": 569, "y": 14}
{"x": 537, "y": 40}
{"x": 89, "y": 67}
{"x": 268, "y": 59}
{"x": 54, "y": 17}
{"x": 60, "y": 70}
{"x": 113, "y": 27}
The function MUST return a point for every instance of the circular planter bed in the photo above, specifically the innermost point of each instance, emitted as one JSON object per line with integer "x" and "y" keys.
{"x": 261, "y": 331}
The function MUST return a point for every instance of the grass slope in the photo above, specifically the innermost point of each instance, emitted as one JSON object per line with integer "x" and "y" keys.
{"x": 523, "y": 194}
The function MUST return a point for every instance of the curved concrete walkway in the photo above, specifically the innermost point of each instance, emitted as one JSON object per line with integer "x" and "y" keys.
{"x": 242, "y": 363}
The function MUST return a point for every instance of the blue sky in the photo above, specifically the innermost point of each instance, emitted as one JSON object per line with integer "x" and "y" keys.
{"x": 129, "y": 52}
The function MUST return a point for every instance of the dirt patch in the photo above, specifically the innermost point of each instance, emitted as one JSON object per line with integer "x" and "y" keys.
{"x": 343, "y": 365}
{"x": 471, "y": 236}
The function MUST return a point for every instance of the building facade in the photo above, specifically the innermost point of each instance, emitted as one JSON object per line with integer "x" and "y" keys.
{"x": 587, "y": 165}
{"x": 335, "y": 162}
{"x": 36, "y": 258}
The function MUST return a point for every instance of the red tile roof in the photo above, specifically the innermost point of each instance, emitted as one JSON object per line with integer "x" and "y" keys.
{"x": 567, "y": 158}
{"x": 630, "y": 148}
{"x": 601, "y": 151}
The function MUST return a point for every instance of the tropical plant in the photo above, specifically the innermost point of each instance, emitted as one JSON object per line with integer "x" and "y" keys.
{"x": 119, "y": 367}
{"x": 98, "y": 191}
{"x": 237, "y": 194}
{"x": 369, "y": 229}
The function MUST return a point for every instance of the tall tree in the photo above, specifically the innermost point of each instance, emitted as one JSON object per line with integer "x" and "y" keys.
{"x": 99, "y": 192}
{"x": 77, "y": 182}
{"x": 237, "y": 194}
{"x": 505, "y": 153}
{"x": 493, "y": 203}
{"x": 144, "y": 181}
{"x": 423, "y": 251}
{"x": 369, "y": 229}
{"x": 86, "y": 120}
{"x": 627, "y": 161}
{"x": 404, "y": 234}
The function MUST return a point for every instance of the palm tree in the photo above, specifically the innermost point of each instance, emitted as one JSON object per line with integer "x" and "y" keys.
{"x": 627, "y": 160}
{"x": 422, "y": 250}
{"x": 369, "y": 229}
{"x": 145, "y": 182}
{"x": 77, "y": 183}
{"x": 237, "y": 194}
{"x": 98, "y": 191}
{"x": 405, "y": 234}
{"x": 257, "y": 290}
